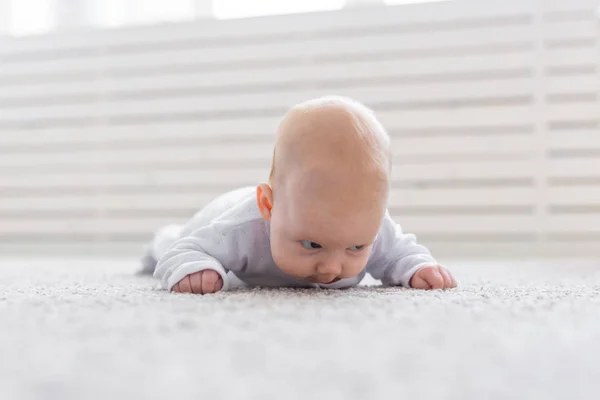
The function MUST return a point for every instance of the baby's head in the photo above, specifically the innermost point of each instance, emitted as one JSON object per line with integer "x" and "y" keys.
{"x": 328, "y": 189}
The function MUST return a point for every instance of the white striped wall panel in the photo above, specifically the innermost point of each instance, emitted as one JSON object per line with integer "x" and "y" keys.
{"x": 493, "y": 109}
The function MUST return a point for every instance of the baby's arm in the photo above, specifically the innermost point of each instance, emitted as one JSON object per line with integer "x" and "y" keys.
{"x": 192, "y": 263}
{"x": 398, "y": 260}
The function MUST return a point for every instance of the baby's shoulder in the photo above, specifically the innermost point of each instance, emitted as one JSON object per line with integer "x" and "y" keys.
{"x": 240, "y": 227}
{"x": 230, "y": 211}
{"x": 237, "y": 207}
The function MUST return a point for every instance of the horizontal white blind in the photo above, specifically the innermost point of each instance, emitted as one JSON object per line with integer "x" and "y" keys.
{"x": 493, "y": 108}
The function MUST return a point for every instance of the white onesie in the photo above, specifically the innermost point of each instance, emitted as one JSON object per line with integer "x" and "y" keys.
{"x": 230, "y": 236}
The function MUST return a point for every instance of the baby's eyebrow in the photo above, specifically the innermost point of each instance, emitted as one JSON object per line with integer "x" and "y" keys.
{"x": 366, "y": 243}
{"x": 346, "y": 246}
{"x": 314, "y": 237}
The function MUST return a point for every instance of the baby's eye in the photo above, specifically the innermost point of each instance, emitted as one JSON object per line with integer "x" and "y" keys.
{"x": 357, "y": 248}
{"x": 307, "y": 244}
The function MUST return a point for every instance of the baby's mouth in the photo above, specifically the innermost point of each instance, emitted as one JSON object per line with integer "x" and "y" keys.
{"x": 314, "y": 279}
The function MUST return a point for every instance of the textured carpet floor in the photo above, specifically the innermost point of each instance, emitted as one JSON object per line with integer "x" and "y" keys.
{"x": 90, "y": 329}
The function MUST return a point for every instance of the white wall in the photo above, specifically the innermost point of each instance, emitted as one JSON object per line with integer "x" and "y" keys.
{"x": 493, "y": 107}
{"x": 4, "y": 17}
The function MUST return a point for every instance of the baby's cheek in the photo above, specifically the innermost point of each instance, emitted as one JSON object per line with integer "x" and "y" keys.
{"x": 356, "y": 265}
{"x": 288, "y": 262}
{"x": 299, "y": 267}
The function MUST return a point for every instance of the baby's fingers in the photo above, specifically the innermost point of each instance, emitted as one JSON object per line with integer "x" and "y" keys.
{"x": 184, "y": 285}
{"x": 428, "y": 278}
{"x": 419, "y": 283}
{"x": 434, "y": 278}
{"x": 209, "y": 281}
{"x": 196, "y": 282}
{"x": 449, "y": 281}
{"x": 219, "y": 284}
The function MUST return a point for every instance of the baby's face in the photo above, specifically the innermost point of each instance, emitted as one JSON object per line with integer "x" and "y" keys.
{"x": 323, "y": 240}
{"x": 330, "y": 185}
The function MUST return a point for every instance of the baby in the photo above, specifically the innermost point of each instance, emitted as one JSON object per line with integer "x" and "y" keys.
{"x": 322, "y": 220}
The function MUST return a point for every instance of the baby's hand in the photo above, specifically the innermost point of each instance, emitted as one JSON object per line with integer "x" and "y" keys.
{"x": 432, "y": 278}
{"x": 203, "y": 282}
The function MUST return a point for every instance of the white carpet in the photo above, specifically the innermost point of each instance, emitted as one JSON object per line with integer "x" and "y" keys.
{"x": 90, "y": 329}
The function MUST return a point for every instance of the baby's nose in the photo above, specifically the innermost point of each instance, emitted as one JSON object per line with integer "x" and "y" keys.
{"x": 332, "y": 267}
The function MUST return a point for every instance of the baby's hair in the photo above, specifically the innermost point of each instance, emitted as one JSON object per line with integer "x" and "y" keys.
{"x": 368, "y": 128}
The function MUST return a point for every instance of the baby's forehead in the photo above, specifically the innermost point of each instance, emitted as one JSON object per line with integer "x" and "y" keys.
{"x": 334, "y": 189}
{"x": 328, "y": 229}
{"x": 311, "y": 209}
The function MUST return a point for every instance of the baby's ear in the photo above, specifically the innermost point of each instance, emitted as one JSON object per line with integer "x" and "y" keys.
{"x": 264, "y": 198}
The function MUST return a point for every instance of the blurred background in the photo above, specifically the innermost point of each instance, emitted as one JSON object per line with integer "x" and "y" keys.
{"x": 120, "y": 116}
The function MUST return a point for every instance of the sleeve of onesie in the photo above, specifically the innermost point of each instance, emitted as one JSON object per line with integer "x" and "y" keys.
{"x": 396, "y": 256}
{"x": 209, "y": 247}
